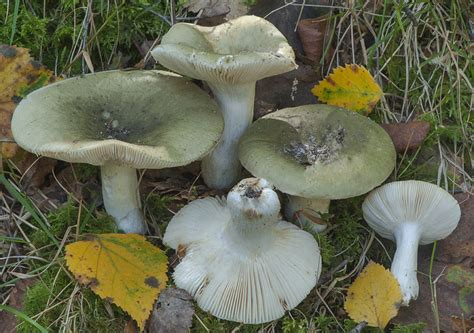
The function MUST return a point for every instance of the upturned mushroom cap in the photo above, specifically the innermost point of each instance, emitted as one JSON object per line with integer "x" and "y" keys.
{"x": 139, "y": 119}
{"x": 318, "y": 151}
{"x": 430, "y": 207}
{"x": 240, "y": 262}
{"x": 242, "y": 50}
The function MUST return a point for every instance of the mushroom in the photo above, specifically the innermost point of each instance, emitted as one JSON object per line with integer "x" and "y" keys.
{"x": 241, "y": 262}
{"x": 316, "y": 153}
{"x": 410, "y": 213}
{"x": 121, "y": 121}
{"x": 230, "y": 58}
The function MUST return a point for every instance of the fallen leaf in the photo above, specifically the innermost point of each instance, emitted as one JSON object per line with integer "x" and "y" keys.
{"x": 122, "y": 268}
{"x": 462, "y": 324}
{"x": 8, "y": 321}
{"x": 19, "y": 75}
{"x": 407, "y": 136}
{"x": 464, "y": 279}
{"x": 459, "y": 246}
{"x": 374, "y": 296}
{"x": 312, "y": 33}
{"x": 351, "y": 87}
{"x": 173, "y": 312}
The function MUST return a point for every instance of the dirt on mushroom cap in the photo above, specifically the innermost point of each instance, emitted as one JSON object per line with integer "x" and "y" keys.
{"x": 140, "y": 119}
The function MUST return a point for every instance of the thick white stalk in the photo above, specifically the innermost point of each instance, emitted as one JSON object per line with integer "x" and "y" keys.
{"x": 405, "y": 261}
{"x": 221, "y": 168}
{"x": 305, "y": 211}
{"x": 254, "y": 211}
{"x": 121, "y": 200}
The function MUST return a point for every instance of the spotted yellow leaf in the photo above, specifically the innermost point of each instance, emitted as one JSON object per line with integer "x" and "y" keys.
{"x": 351, "y": 87}
{"x": 19, "y": 75}
{"x": 122, "y": 268}
{"x": 374, "y": 297}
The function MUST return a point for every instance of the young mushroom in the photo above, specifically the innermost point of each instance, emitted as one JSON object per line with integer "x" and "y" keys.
{"x": 241, "y": 262}
{"x": 410, "y": 213}
{"x": 316, "y": 153}
{"x": 121, "y": 121}
{"x": 230, "y": 58}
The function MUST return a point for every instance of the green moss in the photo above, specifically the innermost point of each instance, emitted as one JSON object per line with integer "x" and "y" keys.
{"x": 209, "y": 323}
{"x": 85, "y": 172}
{"x": 326, "y": 248}
{"x": 158, "y": 205}
{"x": 68, "y": 216}
{"x": 55, "y": 287}
{"x": 293, "y": 325}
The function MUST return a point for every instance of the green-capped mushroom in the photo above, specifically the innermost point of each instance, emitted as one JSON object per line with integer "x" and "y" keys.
{"x": 230, "y": 58}
{"x": 316, "y": 153}
{"x": 121, "y": 121}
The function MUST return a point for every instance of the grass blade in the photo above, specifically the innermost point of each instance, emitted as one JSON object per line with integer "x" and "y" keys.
{"x": 28, "y": 206}
{"x": 23, "y": 317}
{"x": 15, "y": 17}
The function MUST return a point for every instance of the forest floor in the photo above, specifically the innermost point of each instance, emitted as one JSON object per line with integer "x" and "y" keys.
{"x": 420, "y": 53}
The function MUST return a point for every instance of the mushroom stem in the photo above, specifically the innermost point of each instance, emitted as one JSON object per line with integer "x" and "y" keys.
{"x": 305, "y": 211}
{"x": 405, "y": 261}
{"x": 221, "y": 168}
{"x": 121, "y": 200}
{"x": 254, "y": 210}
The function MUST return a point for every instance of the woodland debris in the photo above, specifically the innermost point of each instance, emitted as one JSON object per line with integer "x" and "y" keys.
{"x": 173, "y": 312}
{"x": 407, "y": 136}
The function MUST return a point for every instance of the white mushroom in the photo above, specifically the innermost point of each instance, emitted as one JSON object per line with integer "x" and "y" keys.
{"x": 241, "y": 262}
{"x": 410, "y": 213}
{"x": 230, "y": 58}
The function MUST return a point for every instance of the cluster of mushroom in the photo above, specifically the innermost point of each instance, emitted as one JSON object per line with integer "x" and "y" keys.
{"x": 240, "y": 261}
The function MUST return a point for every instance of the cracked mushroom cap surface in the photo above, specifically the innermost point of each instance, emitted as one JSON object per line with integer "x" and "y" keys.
{"x": 318, "y": 151}
{"x": 241, "y": 262}
{"x": 139, "y": 119}
{"x": 242, "y": 50}
{"x": 435, "y": 211}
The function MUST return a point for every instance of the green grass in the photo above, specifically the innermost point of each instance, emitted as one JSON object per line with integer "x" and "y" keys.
{"x": 419, "y": 53}
{"x": 55, "y": 31}
{"x": 56, "y": 303}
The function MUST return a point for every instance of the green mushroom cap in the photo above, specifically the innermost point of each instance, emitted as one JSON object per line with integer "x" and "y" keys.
{"x": 139, "y": 119}
{"x": 318, "y": 151}
{"x": 246, "y": 49}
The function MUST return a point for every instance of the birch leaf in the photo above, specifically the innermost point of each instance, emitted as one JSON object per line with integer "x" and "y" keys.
{"x": 19, "y": 75}
{"x": 374, "y": 296}
{"x": 122, "y": 268}
{"x": 351, "y": 87}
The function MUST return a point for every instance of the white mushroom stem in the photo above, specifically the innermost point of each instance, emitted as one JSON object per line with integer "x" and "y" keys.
{"x": 305, "y": 211}
{"x": 405, "y": 261}
{"x": 121, "y": 199}
{"x": 253, "y": 218}
{"x": 221, "y": 168}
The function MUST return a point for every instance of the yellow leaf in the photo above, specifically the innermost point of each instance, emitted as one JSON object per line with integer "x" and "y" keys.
{"x": 122, "y": 268}
{"x": 351, "y": 87}
{"x": 19, "y": 75}
{"x": 374, "y": 297}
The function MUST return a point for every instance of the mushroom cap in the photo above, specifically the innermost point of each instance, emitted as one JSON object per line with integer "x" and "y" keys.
{"x": 139, "y": 119}
{"x": 233, "y": 279}
{"x": 434, "y": 210}
{"x": 242, "y": 50}
{"x": 352, "y": 154}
